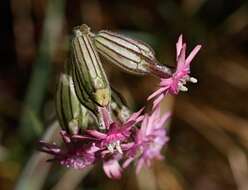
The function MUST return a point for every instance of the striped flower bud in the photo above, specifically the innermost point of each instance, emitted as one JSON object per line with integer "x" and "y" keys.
{"x": 118, "y": 106}
{"x": 71, "y": 114}
{"x": 131, "y": 55}
{"x": 89, "y": 70}
{"x": 85, "y": 99}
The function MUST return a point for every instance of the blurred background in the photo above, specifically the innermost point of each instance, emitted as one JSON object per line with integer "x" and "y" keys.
{"x": 208, "y": 131}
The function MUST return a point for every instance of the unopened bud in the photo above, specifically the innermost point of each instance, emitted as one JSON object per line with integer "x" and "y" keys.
{"x": 71, "y": 114}
{"x": 90, "y": 74}
{"x": 131, "y": 55}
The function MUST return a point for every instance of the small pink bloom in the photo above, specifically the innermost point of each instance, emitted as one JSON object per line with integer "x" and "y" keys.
{"x": 116, "y": 132}
{"x": 73, "y": 155}
{"x": 179, "y": 78}
{"x": 149, "y": 140}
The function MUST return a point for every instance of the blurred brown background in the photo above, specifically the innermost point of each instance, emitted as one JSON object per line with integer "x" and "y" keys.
{"x": 209, "y": 129}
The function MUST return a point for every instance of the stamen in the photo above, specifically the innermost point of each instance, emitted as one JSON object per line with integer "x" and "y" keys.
{"x": 183, "y": 81}
{"x": 193, "y": 80}
{"x": 118, "y": 147}
{"x": 111, "y": 148}
{"x": 182, "y": 88}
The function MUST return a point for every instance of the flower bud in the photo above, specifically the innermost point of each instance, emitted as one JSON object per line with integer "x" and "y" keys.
{"x": 85, "y": 99}
{"x": 118, "y": 106}
{"x": 81, "y": 93}
{"x": 89, "y": 70}
{"x": 71, "y": 114}
{"x": 131, "y": 55}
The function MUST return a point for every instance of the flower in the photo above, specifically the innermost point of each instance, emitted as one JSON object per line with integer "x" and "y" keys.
{"x": 179, "y": 78}
{"x": 74, "y": 155}
{"x": 116, "y": 132}
{"x": 149, "y": 140}
{"x": 84, "y": 150}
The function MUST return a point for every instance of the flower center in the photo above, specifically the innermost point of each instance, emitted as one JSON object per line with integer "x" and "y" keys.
{"x": 115, "y": 146}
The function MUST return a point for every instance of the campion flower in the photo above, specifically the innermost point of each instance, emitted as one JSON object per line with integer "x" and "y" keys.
{"x": 149, "y": 140}
{"x": 113, "y": 141}
{"x": 180, "y": 77}
{"x": 115, "y": 132}
{"x": 80, "y": 154}
{"x": 73, "y": 155}
{"x": 107, "y": 146}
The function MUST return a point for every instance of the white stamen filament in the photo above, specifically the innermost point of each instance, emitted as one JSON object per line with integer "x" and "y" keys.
{"x": 118, "y": 147}
{"x": 115, "y": 145}
{"x": 111, "y": 148}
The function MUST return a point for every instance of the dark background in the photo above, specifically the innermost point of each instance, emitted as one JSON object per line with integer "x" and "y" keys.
{"x": 209, "y": 129}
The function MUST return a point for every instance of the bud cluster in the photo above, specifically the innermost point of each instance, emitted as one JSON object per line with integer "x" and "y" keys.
{"x": 96, "y": 123}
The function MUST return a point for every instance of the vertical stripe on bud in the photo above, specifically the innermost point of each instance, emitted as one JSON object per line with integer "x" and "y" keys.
{"x": 81, "y": 93}
{"x": 71, "y": 114}
{"x": 89, "y": 70}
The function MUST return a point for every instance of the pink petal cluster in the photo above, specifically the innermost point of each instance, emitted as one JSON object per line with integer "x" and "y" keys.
{"x": 149, "y": 140}
{"x": 140, "y": 139}
{"x": 116, "y": 132}
{"x": 179, "y": 78}
{"x": 74, "y": 155}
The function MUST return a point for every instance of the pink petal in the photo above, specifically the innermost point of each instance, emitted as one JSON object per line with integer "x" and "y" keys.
{"x": 96, "y": 134}
{"x": 112, "y": 169}
{"x": 142, "y": 131}
{"x": 179, "y": 45}
{"x": 128, "y": 124}
{"x": 140, "y": 164}
{"x": 181, "y": 58}
{"x": 164, "y": 118}
{"x": 127, "y": 162}
{"x": 152, "y": 120}
{"x": 127, "y": 146}
{"x": 157, "y": 101}
{"x": 135, "y": 115}
{"x": 81, "y": 137}
{"x": 193, "y": 54}
{"x": 156, "y": 93}
{"x": 164, "y": 83}
{"x": 93, "y": 149}
{"x": 139, "y": 119}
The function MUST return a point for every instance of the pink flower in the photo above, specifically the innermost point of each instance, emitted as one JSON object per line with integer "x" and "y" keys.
{"x": 115, "y": 132}
{"x": 179, "y": 78}
{"x": 74, "y": 155}
{"x": 149, "y": 140}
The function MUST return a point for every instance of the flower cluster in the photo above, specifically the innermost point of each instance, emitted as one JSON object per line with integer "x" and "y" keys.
{"x": 138, "y": 139}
